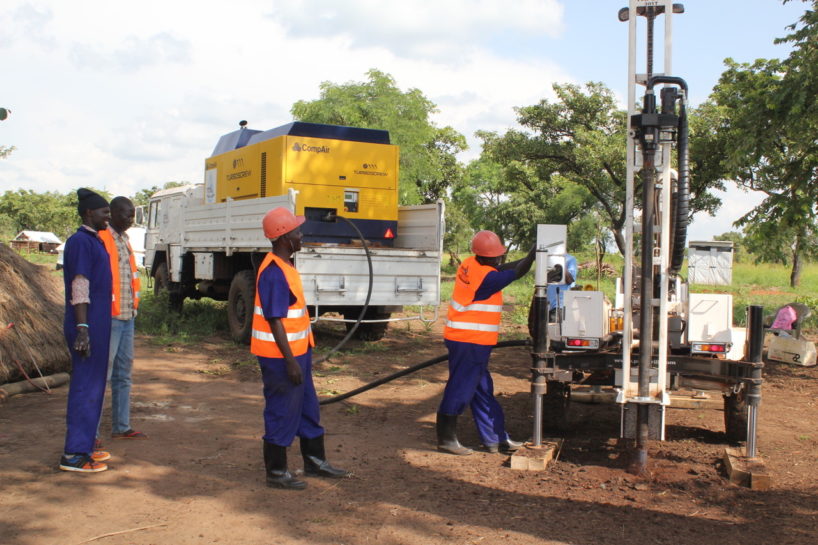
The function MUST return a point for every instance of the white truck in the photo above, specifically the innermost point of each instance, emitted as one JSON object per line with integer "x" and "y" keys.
{"x": 196, "y": 249}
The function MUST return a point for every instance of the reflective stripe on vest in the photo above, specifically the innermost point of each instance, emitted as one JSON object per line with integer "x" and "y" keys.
{"x": 471, "y": 326}
{"x": 136, "y": 284}
{"x": 291, "y": 313}
{"x": 474, "y": 306}
{"x": 470, "y": 321}
{"x": 296, "y": 324}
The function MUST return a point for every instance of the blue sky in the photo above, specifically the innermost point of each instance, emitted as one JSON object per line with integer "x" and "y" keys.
{"x": 128, "y": 98}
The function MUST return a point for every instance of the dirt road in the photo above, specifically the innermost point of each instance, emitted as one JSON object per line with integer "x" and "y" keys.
{"x": 199, "y": 478}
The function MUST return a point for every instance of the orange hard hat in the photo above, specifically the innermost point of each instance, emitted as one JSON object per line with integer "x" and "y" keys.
{"x": 280, "y": 221}
{"x": 487, "y": 244}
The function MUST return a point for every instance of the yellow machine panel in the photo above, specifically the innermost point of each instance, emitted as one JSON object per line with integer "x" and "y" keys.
{"x": 357, "y": 179}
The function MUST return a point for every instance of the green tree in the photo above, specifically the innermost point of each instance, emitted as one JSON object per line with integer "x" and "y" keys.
{"x": 569, "y": 159}
{"x": 26, "y": 209}
{"x": 769, "y": 116}
{"x": 427, "y": 153}
{"x": 572, "y": 154}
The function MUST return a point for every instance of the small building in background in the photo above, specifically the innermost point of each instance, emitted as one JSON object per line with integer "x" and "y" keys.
{"x": 710, "y": 262}
{"x": 35, "y": 241}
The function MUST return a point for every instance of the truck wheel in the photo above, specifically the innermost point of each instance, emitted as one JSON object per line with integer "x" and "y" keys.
{"x": 735, "y": 415}
{"x": 368, "y": 332}
{"x": 556, "y": 406}
{"x": 162, "y": 288}
{"x": 240, "y": 304}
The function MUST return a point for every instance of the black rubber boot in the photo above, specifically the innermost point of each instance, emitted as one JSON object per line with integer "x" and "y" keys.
{"x": 508, "y": 446}
{"x": 447, "y": 435}
{"x": 315, "y": 460}
{"x": 275, "y": 463}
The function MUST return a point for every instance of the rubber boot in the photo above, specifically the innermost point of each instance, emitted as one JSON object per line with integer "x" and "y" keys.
{"x": 315, "y": 459}
{"x": 447, "y": 435}
{"x": 275, "y": 463}
{"x": 508, "y": 446}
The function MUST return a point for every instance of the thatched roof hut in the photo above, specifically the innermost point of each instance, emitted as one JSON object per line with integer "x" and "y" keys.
{"x": 31, "y": 298}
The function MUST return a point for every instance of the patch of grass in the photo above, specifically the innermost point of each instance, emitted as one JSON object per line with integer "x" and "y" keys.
{"x": 197, "y": 320}
{"x": 40, "y": 258}
{"x": 352, "y": 410}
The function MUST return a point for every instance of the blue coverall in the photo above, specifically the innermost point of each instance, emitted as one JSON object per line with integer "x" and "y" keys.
{"x": 289, "y": 409}
{"x": 470, "y": 382}
{"x": 86, "y": 255}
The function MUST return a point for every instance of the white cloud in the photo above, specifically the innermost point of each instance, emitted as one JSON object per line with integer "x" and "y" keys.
{"x": 735, "y": 203}
{"x": 26, "y": 21}
{"x": 125, "y": 97}
{"x": 133, "y": 54}
{"x": 420, "y": 28}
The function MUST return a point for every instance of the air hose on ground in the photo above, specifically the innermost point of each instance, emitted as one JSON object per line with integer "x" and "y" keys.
{"x": 408, "y": 371}
{"x": 351, "y": 331}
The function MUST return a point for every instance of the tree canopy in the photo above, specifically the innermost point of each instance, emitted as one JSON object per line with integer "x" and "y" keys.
{"x": 428, "y": 164}
{"x": 765, "y": 116}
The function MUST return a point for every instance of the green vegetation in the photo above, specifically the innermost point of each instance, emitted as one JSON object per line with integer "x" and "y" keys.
{"x": 428, "y": 163}
{"x": 197, "y": 320}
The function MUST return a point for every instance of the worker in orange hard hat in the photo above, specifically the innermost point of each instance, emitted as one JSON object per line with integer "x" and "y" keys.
{"x": 472, "y": 328}
{"x": 282, "y": 340}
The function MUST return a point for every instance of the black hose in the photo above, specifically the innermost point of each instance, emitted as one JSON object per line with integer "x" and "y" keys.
{"x": 368, "y": 294}
{"x": 408, "y": 371}
{"x": 682, "y": 194}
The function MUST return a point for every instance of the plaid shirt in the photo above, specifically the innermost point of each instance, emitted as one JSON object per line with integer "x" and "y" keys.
{"x": 126, "y": 309}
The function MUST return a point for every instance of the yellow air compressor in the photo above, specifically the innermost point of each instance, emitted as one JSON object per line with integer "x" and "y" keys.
{"x": 336, "y": 170}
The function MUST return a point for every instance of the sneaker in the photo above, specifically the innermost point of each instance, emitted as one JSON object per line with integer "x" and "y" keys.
{"x": 81, "y": 463}
{"x": 130, "y": 434}
{"x": 100, "y": 456}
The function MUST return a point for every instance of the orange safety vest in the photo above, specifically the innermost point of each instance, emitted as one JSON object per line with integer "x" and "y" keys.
{"x": 470, "y": 321}
{"x": 110, "y": 245}
{"x": 296, "y": 324}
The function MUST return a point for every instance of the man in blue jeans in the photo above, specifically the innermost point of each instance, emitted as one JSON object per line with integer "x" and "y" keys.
{"x": 125, "y": 301}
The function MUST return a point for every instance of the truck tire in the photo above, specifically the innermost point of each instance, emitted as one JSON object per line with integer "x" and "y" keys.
{"x": 368, "y": 332}
{"x": 240, "y": 304}
{"x": 163, "y": 289}
{"x": 556, "y": 406}
{"x": 735, "y": 415}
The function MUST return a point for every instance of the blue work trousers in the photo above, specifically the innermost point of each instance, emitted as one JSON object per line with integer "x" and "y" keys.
{"x": 470, "y": 384}
{"x": 289, "y": 409}
{"x": 85, "y": 393}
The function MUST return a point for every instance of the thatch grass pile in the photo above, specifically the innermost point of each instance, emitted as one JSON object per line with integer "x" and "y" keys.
{"x": 33, "y": 300}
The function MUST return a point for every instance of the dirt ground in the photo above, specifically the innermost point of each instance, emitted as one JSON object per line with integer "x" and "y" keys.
{"x": 199, "y": 478}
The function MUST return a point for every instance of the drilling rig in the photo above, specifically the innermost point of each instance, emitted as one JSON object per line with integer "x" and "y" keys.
{"x": 657, "y": 337}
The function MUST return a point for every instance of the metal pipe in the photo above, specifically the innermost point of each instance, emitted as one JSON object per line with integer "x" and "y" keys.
{"x": 651, "y": 16}
{"x": 538, "y": 370}
{"x": 755, "y": 324}
{"x": 646, "y": 289}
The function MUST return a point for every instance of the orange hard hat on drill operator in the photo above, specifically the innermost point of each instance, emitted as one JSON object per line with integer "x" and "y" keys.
{"x": 487, "y": 244}
{"x": 280, "y": 221}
